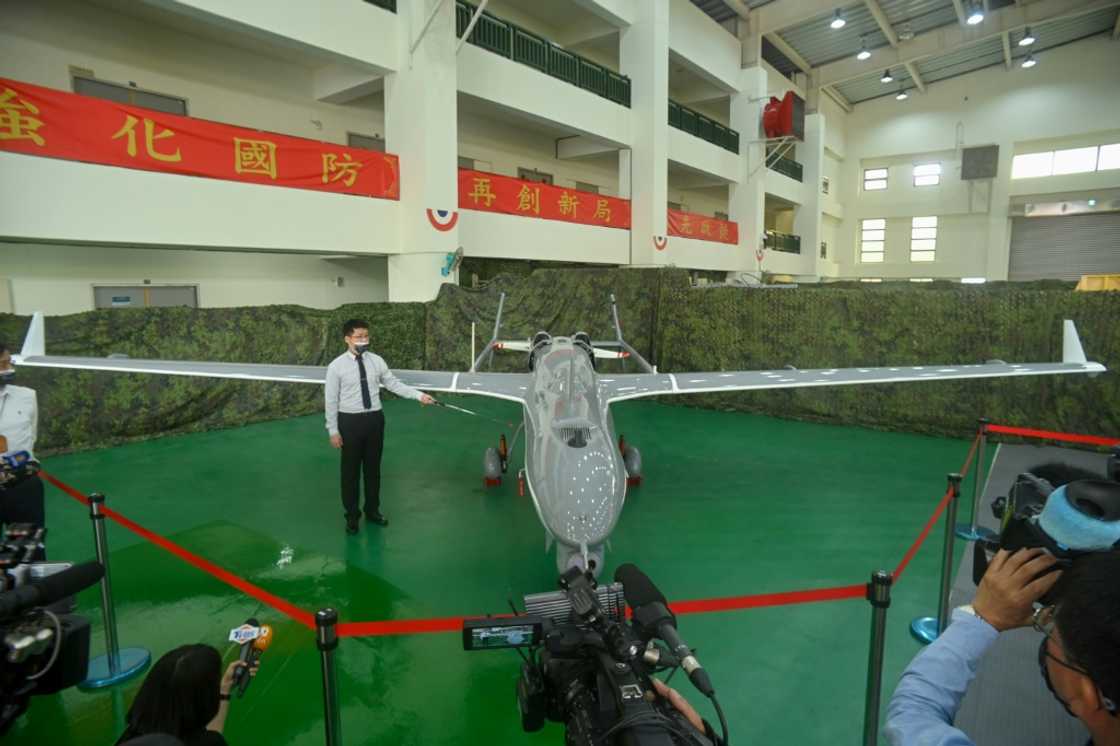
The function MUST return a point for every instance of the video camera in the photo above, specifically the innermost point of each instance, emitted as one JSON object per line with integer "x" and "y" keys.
{"x": 586, "y": 666}
{"x": 15, "y": 467}
{"x": 1068, "y": 511}
{"x": 44, "y": 648}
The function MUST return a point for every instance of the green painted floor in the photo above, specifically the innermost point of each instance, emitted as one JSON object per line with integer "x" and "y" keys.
{"x": 732, "y": 504}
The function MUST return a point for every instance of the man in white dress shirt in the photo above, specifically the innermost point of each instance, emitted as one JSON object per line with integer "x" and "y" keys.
{"x": 19, "y": 422}
{"x": 355, "y": 421}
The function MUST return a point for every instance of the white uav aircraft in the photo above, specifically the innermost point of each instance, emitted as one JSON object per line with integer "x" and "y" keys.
{"x": 574, "y": 468}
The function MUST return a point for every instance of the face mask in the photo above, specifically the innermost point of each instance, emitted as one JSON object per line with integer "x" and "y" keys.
{"x": 6, "y": 377}
{"x": 361, "y": 348}
{"x": 1042, "y": 656}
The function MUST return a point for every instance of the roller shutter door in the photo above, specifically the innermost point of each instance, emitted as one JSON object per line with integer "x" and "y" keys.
{"x": 1065, "y": 247}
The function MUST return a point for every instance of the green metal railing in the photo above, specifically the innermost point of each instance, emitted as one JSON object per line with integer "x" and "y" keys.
{"x": 695, "y": 123}
{"x": 512, "y": 41}
{"x": 389, "y": 5}
{"x": 776, "y": 241}
{"x": 787, "y": 166}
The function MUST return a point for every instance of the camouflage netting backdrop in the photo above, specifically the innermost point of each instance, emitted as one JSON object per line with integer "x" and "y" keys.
{"x": 677, "y": 327}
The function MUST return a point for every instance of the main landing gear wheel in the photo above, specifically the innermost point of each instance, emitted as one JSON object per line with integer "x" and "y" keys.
{"x": 632, "y": 460}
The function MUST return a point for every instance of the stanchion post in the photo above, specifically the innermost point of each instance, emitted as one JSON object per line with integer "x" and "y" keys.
{"x": 973, "y": 531}
{"x": 116, "y": 665}
{"x": 926, "y": 629}
{"x": 879, "y": 595}
{"x": 326, "y": 639}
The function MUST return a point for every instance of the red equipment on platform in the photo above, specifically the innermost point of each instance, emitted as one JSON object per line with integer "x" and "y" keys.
{"x": 785, "y": 117}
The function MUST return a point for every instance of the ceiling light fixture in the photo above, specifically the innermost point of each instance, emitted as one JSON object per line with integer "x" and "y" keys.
{"x": 902, "y": 95}
{"x": 1028, "y": 38}
{"x": 975, "y": 14}
{"x": 863, "y": 53}
{"x": 838, "y": 19}
{"x": 887, "y": 77}
{"x": 1029, "y": 62}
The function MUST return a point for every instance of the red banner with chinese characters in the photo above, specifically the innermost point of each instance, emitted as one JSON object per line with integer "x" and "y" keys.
{"x": 479, "y": 190}
{"x": 702, "y": 227}
{"x": 42, "y": 121}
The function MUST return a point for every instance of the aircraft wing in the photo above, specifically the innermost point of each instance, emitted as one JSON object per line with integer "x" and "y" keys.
{"x": 511, "y": 386}
{"x": 638, "y": 385}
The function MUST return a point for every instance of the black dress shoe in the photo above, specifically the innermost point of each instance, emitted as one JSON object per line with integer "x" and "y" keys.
{"x": 377, "y": 518}
{"x": 351, "y": 526}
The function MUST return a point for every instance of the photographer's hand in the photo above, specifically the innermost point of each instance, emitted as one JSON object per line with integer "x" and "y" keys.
{"x": 218, "y": 724}
{"x": 678, "y": 701}
{"x": 1011, "y": 585}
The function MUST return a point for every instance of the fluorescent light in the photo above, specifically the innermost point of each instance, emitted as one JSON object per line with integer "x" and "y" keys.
{"x": 974, "y": 280}
{"x": 902, "y": 96}
{"x": 1092, "y": 202}
{"x": 1028, "y": 38}
{"x": 887, "y": 77}
{"x": 1029, "y": 62}
{"x": 838, "y": 20}
{"x": 975, "y": 14}
{"x": 863, "y": 53}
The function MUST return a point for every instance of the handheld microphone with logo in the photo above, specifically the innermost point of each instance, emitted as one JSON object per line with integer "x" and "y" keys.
{"x": 50, "y": 589}
{"x": 651, "y": 612}
{"x": 254, "y": 639}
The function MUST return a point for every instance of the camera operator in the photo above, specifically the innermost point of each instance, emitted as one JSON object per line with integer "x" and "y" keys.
{"x": 19, "y": 421}
{"x": 1079, "y": 655}
{"x": 185, "y": 695}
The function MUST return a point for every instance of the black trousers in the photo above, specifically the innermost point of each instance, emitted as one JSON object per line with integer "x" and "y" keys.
{"x": 363, "y": 435}
{"x": 24, "y": 504}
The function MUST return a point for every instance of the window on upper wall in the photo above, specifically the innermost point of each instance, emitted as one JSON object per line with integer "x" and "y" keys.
{"x": 873, "y": 237}
{"x": 927, "y": 174}
{"x": 921, "y": 279}
{"x": 824, "y": 249}
{"x": 124, "y": 94}
{"x": 532, "y": 174}
{"x": 825, "y": 185}
{"x": 1075, "y": 161}
{"x": 1109, "y": 157}
{"x": 366, "y": 142}
{"x": 923, "y": 239}
{"x": 874, "y": 179}
{"x": 583, "y": 186}
{"x": 871, "y": 279}
{"x": 1030, "y": 165}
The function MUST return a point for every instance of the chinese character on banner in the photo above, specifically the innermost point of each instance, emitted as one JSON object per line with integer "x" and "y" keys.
{"x": 14, "y": 125}
{"x": 686, "y": 225}
{"x": 602, "y": 211}
{"x": 706, "y": 228}
{"x": 529, "y": 199}
{"x": 723, "y": 230}
{"x": 254, "y": 157}
{"x": 568, "y": 204}
{"x": 343, "y": 169}
{"x": 482, "y": 191}
{"x": 128, "y": 129}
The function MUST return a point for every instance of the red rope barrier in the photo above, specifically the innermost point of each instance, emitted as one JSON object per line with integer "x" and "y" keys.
{"x": 922, "y": 536}
{"x": 1095, "y": 440}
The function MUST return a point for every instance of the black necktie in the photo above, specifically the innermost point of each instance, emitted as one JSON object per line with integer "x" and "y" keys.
{"x": 367, "y": 403}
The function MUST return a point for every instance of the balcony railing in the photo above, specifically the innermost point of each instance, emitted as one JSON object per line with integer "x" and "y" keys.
{"x": 510, "y": 40}
{"x": 787, "y": 166}
{"x": 389, "y": 5}
{"x": 776, "y": 241}
{"x": 695, "y": 123}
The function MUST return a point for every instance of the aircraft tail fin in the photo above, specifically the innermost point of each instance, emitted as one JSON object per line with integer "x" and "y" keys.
{"x": 1072, "y": 352}
{"x": 488, "y": 350}
{"x": 630, "y": 351}
{"x": 35, "y": 343}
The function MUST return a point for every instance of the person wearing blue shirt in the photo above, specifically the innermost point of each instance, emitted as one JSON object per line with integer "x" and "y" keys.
{"x": 1079, "y": 655}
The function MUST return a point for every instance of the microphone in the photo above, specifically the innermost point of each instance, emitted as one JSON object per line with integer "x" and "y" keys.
{"x": 651, "y": 612}
{"x": 255, "y": 639}
{"x": 51, "y": 589}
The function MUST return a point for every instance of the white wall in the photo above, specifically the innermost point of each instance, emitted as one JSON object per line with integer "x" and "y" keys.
{"x": 501, "y": 147}
{"x": 496, "y": 235}
{"x": 1072, "y": 93}
{"x": 691, "y": 151}
{"x": 60, "y": 279}
{"x": 705, "y": 47}
{"x": 41, "y": 40}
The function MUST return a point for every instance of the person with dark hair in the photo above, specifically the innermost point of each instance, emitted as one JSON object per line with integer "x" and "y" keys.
{"x": 355, "y": 422}
{"x": 19, "y": 424}
{"x": 186, "y": 696}
{"x": 1078, "y": 655}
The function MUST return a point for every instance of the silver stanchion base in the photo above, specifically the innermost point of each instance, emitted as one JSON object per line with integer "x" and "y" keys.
{"x": 924, "y": 629}
{"x": 974, "y": 533}
{"x": 130, "y": 661}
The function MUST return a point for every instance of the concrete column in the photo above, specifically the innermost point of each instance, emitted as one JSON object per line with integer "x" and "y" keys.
{"x": 747, "y": 198}
{"x": 999, "y": 221}
{"x": 643, "y": 170}
{"x": 421, "y": 126}
{"x": 807, "y": 221}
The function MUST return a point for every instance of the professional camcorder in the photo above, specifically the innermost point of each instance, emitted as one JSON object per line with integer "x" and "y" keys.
{"x": 586, "y": 666}
{"x": 1064, "y": 509}
{"x": 16, "y": 466}
{"x": 44, "y": 648}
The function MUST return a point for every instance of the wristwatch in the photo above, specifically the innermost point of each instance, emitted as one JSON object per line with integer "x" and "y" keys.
{"x": 223, "y": 697}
